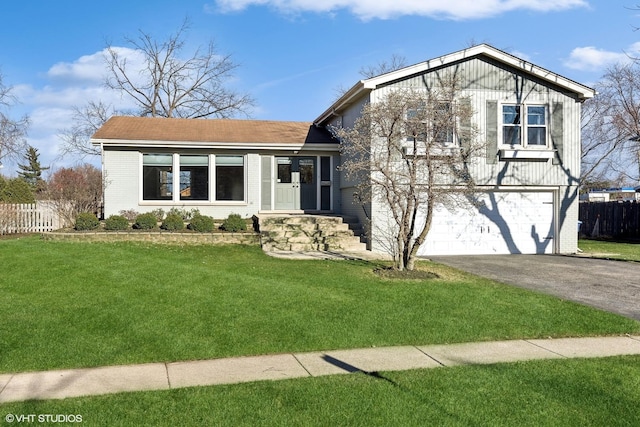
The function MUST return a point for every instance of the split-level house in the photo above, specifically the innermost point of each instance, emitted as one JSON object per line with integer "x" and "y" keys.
{"x": 527, "y": 117}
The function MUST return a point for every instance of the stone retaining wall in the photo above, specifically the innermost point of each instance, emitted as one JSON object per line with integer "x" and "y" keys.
{"x": 156, "y": 237}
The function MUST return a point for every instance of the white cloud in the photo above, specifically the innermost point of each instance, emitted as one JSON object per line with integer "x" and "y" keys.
{"x": 590, "y": 58}
{"x": 86, "y": 68}
{"x": 92, "y": 68}
{"x": 67, "y": 85}
{"x": 385, "y": 9}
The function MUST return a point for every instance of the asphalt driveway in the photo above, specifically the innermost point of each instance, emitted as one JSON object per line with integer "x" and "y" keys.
{"x": 608, "y": 285}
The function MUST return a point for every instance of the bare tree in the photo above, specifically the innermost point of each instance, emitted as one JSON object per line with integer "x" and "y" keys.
{"x": 611, "y": 126}
{"x": 75, "y": 190}
{"x": 170, "y": 86}
{"x": 411, "y": 152}
{"x": 86, "y": 121}
{"x": 394, "y": 63}
{"x": 13, "y": 132}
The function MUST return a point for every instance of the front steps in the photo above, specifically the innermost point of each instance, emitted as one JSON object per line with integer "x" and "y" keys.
{"x": 308, "y": 233}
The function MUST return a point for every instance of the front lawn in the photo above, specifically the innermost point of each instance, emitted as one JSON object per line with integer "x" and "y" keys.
{"x": 574, "y": 392}
{"x": 610, "y": 250}
{"x": 67, "y": 305}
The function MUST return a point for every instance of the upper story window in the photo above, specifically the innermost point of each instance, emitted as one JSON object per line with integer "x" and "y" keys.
{"x": 524, "y": 125}
{"x": 431, "y": 125}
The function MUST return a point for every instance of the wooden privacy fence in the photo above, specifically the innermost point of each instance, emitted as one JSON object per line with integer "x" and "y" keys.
{"x": 620, "y": 220}
{"x": 28, "y": 218}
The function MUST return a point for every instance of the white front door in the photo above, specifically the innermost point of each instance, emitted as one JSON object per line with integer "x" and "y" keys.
{"x": 287, "y": 186}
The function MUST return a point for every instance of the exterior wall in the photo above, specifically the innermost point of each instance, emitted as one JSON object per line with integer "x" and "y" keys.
{"x": 124, "y": 174}
{"x": 484, "y": 80}
{"x": 122, "y": 181}
{"x": 350, "y": 206}
{"x": 123, "y": 190}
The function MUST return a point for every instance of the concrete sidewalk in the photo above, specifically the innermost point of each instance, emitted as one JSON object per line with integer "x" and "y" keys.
{"x": 61, "y": 384}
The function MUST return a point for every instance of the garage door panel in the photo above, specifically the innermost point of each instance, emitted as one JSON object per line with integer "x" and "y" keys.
{"x": 501, "y": 223}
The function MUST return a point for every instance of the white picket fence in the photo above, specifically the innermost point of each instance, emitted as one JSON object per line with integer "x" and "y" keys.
{"x": 28, "y": 218}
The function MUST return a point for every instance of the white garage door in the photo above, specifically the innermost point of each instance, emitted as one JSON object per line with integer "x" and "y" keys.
{"x": 502, "y": 223}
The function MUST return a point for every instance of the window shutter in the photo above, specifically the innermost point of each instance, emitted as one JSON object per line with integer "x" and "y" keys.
{"x": 492, "y": 132}
{"x": 465, "y": 125}
{"x": 265, "y": 191}
{"x": 557, "y": 128}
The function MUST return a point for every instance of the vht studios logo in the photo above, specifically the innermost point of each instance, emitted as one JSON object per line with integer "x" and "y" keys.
{"x": 43, "y": 418}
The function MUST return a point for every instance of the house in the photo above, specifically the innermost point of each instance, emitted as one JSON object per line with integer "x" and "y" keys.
{"x": 528, "y": 184}
{"x": 217, "y": 166}
{"x": 618, "y": 194}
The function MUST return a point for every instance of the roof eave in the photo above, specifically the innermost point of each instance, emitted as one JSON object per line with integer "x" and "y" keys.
{"x": 281, "y": 146}
{"x": 347, "y": 98}
{"x": 583, "y": 92}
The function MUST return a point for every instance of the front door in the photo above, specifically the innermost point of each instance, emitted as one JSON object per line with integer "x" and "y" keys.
{"x": 287, "y": 185}
{"x": 308, "y": 185}
{"x": 296, "y": 183}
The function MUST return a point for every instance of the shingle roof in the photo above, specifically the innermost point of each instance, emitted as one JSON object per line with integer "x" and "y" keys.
{"x": 211, "y": 130}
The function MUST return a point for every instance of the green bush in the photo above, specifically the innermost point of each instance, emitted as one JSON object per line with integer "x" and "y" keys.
{"x": 129, "y": 214}
{"x": 234, "y": 222}
{"x": 86, "y": 221}
{"x": 158, "y": 213}
{"x": 185, "y": 214}
{"x": 15, "y": 190}
{"x": 173, "y": 222}
{"x": 116, "y": 223}
{"x": 202, "y": 224}
{"x": 146, "y": 221}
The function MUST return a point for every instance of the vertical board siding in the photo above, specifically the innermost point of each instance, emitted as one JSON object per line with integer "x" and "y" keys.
{"x": 619, "y": 220}
{"x": 489, "y": 84}
{"x": 28, "y": 218}
{"x": 485, "y": 83}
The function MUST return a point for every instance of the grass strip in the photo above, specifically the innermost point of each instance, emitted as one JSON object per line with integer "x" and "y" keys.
{"x": 574, "y": 392}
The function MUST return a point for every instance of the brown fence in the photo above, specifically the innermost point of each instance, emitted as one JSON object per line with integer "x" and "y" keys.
{"x": 618, "y": 220}
{"x": 28, "y": 218}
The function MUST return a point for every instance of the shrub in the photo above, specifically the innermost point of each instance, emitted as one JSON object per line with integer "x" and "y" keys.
{"x": 172, "y": 222}
{"x": 158, "y": 213}
{"x": 185, "y": 214}
{"x": 202, "y": 224}
{"x": 86, "y": 221}
{"x": 15, "y": 190}
{"x": 146, "y": 221}
{"x": 129, "y": 214}
{"x": 234, "y": 222}
{"x": 116, "y": 223}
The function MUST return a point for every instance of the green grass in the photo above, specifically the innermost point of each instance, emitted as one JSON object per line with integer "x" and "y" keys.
{"x": 611, "y": 250}
{"x": 68, "y": 305}
{"x": 574, "y": 392}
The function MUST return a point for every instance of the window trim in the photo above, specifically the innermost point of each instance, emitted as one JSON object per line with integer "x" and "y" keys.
{"x": 455, "y": 140}
{"x": 524, "y": 126}
{"x": 175, "y": 165}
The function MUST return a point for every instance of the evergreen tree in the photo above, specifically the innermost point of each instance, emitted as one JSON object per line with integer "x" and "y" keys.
{"x": 15, "y": 190}
{"x": 32, "y": 171}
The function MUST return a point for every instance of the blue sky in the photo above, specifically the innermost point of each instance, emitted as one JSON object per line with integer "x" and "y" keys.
{"x": 293, "y": 54}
